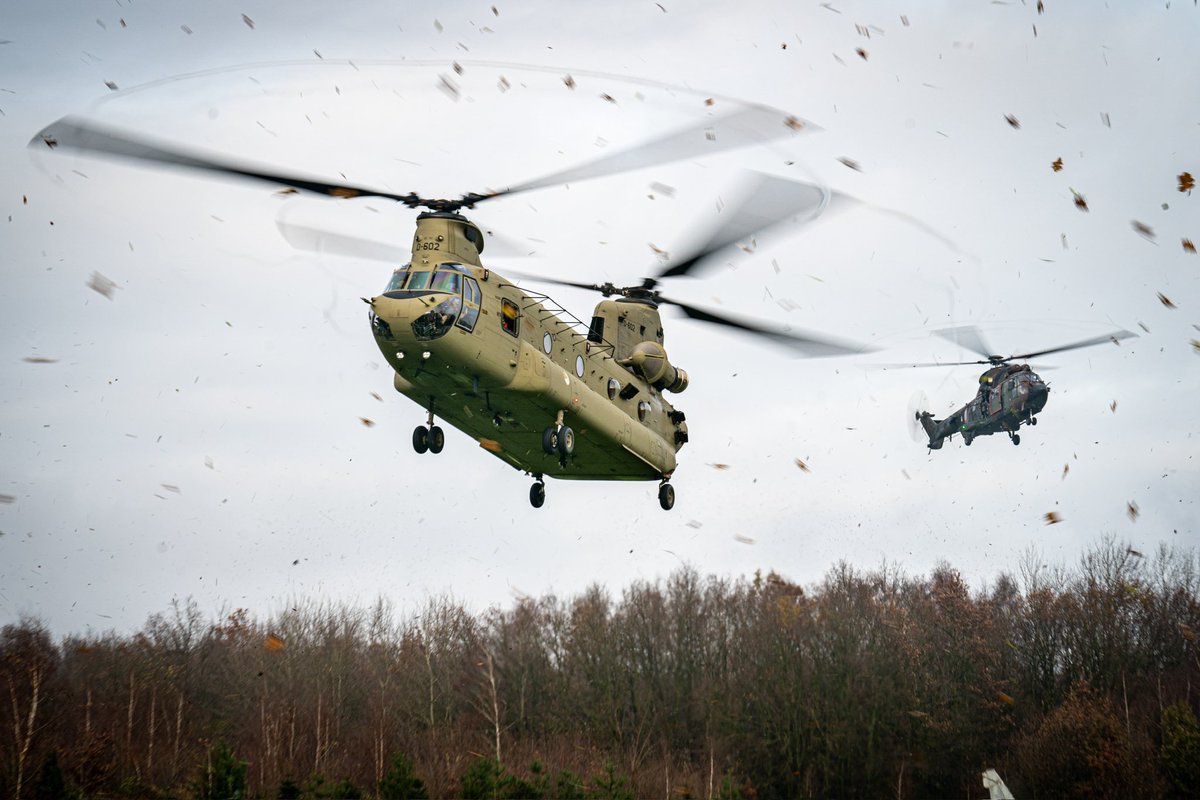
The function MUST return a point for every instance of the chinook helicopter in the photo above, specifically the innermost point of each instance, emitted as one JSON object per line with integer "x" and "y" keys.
{"x": 536, "y": 387}
{"x": 1010, "y": 395}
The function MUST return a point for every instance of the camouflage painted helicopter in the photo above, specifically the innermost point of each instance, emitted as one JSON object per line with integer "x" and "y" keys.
{"x": 1010, "y": 395}
{"x": 538, "y": 388}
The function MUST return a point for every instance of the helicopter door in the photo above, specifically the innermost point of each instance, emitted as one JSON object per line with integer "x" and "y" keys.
{"x": 470, "y": 304}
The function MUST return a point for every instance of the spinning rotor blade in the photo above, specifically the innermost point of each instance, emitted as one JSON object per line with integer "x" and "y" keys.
{"x": 750, "y": 125}
{"x": 769, "y": 200}
{"x": 971, "y": 338}
{"x": 1111, "y": 337}
{"x": 75, "y": 133}
{"x": 804, "y": 344}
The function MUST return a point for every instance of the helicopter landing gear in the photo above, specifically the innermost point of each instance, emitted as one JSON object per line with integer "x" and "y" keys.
{"x": 537, "y": 493}
{"x": 428, "y": 436}
{"x": 967, "y": 439}
{"x": 559, "y": 440}
{"x": 1032, "y": 420}
{"x": 1016, "y": 438}
{"x": 666, "y": 496}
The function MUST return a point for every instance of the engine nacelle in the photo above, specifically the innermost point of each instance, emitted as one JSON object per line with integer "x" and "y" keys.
{"x": 649, "y": 359}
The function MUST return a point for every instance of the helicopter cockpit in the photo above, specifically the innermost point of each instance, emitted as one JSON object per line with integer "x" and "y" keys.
{"x": 460, "y": 306}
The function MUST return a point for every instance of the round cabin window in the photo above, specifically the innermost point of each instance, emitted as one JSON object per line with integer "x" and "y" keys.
{"x": 579, "y": 366}
{"x": 547, "y": 342}
{"x": 614, "y": 386}
{"x": 643, "y": 410}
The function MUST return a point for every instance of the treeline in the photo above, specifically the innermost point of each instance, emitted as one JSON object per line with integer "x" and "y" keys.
{"x": 1080, "y": 681}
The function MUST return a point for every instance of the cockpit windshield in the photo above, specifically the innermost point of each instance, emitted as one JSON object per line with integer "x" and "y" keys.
{"x": 446, "y": 278}
{"x": 398, "y": 278}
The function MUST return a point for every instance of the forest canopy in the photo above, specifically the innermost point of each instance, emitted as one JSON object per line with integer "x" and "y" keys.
{"x": 1067, "y": 681}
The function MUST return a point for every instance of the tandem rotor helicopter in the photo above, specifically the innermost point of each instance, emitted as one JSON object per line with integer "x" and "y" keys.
{"x": 541, "y": 390}
{"x": 1010, "y": 395}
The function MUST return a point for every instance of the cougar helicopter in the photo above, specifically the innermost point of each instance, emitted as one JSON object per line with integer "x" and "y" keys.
{"x": 1010, "y": 394}
{"x": 543, "y": 391}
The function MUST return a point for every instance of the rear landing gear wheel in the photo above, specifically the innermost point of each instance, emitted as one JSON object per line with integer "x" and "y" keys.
{"x": 550, "y": 440}
{"x": 566, "y": 442}
{"x": 666, "y": 496}
{"x": 421, "y": 439}
{"x": 437, "y": 439}
{"x": 537, "y": 494}
{"x": 967, "y": 439}
{"x": 1033, "y": 420}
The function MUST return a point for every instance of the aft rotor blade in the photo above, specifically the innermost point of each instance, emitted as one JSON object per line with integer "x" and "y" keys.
{"x": 805, "y": 344}
{"x": 75, "y": 133}
{"x": 1110, "y": 337}
{"x": 751, "y": 125}
{"x": 768, "y": 201}
{"x": 919, "y": 364}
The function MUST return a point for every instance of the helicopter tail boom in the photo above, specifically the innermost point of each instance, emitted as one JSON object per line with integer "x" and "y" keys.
{"x": 932, "y": 429}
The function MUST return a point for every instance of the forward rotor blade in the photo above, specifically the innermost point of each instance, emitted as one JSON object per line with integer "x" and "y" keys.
{"x": 75, "y": 133}
{"x": 1110, "y": 337}
{"x": 921, "y": 364}
{"x": 750, "y": 125}
{"x": 806, "y": 344}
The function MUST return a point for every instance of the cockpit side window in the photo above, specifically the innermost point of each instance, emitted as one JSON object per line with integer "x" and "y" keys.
{"x": 470, "y": 307}
{"x": 445, "y": 280}
{"x": 398, "y": 278}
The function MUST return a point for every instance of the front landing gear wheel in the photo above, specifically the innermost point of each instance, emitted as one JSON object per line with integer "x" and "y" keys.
{"x": 421, "y": 439}
{"x": 437, "y": 439}
{"x": 550, "y": 440}
{"x": 1016, "y": 438}
{"x": 666, "y": 496}
{"x": 537, "y": 494}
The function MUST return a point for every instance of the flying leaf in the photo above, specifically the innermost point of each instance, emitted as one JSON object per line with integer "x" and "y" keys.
{"x": 491, "y": 445}
{"x": 1186, "y": 182}
{"x": 367, "y": 423}
{"x": 1052, "y": 518}
{"x": 1166, "y": 301}
{"x": 1134, "y": 553}
{"x": 1131, "y": 508}
{"x": 861, "y": 53}
{"x": 1066, "y": 469}
{"x": 1006, "y": 699}
{"x": 7, "y": 499}
{"x": 39, "y": 360}
{"x": 274, "y": 643}
{"x": 249, "y": 22}
{"x": 803, "y": 466}
{"x": 1013, "y": 121}
{"x": 794, "y": 123}
{"x": 1188, "y": 247}
{"x": 851, "y": 163}
{"x": 376, "y": 396}
{"x": 569, "y": 81}
{"x": 1056, "y": 165}
{"x": 1080, "y": 203}
{"x": 1195, "y": 343}
{"x": 1113, "y": 406}
{"x": 743, "y": 539}
{"x": 719, "y": 466}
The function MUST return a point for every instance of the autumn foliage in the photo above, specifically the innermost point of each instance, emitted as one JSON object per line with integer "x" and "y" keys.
{"x": 1069, "y": 682}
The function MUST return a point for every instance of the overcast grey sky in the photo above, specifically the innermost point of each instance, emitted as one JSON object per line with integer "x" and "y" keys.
{"x": 198, "y": 433}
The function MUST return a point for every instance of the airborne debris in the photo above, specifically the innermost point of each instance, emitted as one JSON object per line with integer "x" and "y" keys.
{"x": 1004, "y": 698}
{"x": 861, "y": 53}
{"x": 367, "y": 423}
{"x": 6, "y": 499}
{"x": 1056, "y": 164}
{"x": 449, "y": 87}
{"x": 1052, "y": 517}
{"x": 170, "y": 487}
{"x": 1195, "y": 343}
{"x": 491, "y": 445}
{"x": 377, "y": 396}
{"x": 1011, "y": 120}
{"x": 569, "y": 81}
{"x": 274, "y": 643}
{"x": 1066, "y": 469}
{"x": 719, "y": 466}
{"x": 1186, "y": 182}
{"x": 1143, "y": 229}
{"x": 1080, "y": 203}
{"x": 1166, "y": 301}
{"x": 851, "y": 163}
{"x": 111, "y": 85}
{"x": 1188, "y": 247}
{"x": 1113, "y": 406}
{"x": 39, "y": 360}
{"x": 743, "y": 539}
{"x": 1131, "y": 508}
{"x": 249, "y": 22}
{"x": 101, "y": 284}
{"x": 794, "y": 123}
{"x": 802, "y": 465}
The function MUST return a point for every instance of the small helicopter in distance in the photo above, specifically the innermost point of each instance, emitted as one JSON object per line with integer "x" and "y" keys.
{"x": 1010, "y": 395}
{"x": 536, "y": 387}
